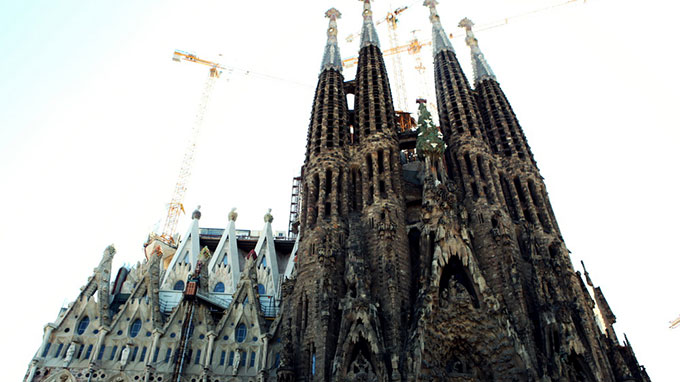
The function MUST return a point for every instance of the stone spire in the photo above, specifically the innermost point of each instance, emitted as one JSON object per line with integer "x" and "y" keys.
{"x": 481, "y": 68}
{"x": 440, "y": 40}
{"x": 368, "y": 34}
{"x": 331, "y": 54}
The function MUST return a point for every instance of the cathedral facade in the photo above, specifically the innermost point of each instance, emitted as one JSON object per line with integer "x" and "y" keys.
{"x": 423, "y": 253}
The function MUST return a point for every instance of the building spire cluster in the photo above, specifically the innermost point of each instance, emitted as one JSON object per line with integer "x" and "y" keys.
{"x": 424, "y": 255}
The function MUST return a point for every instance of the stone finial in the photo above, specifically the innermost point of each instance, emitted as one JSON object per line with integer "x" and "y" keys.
{"x": 432, "y": 4}
{"x": 107, "y": 256}
{"x": 481, "y": 68}
{"x": 233, "y": 215}
{"x": 110, "y": 251}
{"x": 268, "y": 218}
{"x": 196, "y": 215}
{"x": 331, "y": 54}
{"x": 369, "y": 36}
{"x": 440, "y": 41}
{"x": 466, "y": 23}
{"x": 333, "y": 14}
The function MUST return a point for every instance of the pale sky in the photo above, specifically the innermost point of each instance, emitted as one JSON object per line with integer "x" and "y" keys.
{"x": 94, "y": 118}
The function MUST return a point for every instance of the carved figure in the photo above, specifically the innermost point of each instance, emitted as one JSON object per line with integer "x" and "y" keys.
{"x": 237, "y": 362}
{"x": 125, "y": 354}
{"x": 69, "y": 354}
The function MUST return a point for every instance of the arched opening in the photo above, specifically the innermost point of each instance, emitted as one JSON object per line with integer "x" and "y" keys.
{"x": 135, "y": 328}
{"x": 414, "y": 254}
{"x": 179, "y": 285}
{"x": 456, "y": 283}
{"x": 241, "y": 332}
{"x": 360, "y": 366}
{"x": 83, "y": 324}
{"x": 505, "y": 187}
{"x": 523, "y": 200}
{"x": 219, "y": 287}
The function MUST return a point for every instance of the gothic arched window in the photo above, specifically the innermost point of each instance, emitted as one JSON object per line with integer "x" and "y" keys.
{"x": 179, "y": 285}
{"x": 241, "y": 332}
{"x": 82, "y": 325}
{"x": 219, "y": 287}
{"x": 135, "y": 328}
{"x": 261, "y": 289}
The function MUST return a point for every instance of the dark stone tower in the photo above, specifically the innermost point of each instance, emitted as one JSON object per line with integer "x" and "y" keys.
{"x": 446, "y": 265}
{"x": 314, "y": 317}
{"x": 382, "y": 215}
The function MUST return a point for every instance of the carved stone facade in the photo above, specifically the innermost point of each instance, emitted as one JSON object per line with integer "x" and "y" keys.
{"x": 188, "y": 321}
{"x": 447, "y": 262}
{"x": 422, "y": 255}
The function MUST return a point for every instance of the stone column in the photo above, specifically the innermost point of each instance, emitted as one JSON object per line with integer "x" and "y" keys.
{"x": 208, "y": 353}
{"x": 100, "y": 339}
{"x": 31, "y": 371}
{"x": 156, "y": 336}
{"x": 46, "y": 338}
{"x": 264, "y": 351}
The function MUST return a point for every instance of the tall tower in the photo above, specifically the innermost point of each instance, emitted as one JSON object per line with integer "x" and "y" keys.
{"x": 376, "y": 154}
{"x": 480, "y": 184}
{"x": 314, "y": 318}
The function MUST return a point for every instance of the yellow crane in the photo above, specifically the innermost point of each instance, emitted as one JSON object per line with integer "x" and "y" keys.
{"x": 414, "y": 47}
{"x": 675, "y": 323}
{"x": 175, "y": 207}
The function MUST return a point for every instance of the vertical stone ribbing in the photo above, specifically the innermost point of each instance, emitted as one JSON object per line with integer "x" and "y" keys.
{"x": 383, "y": 212}
{"x": 502, "y": 128}
{"x": 313, "y": 318}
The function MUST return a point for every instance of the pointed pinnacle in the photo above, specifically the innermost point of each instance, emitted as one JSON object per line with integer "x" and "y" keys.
{"x": 440, "y": 41}
{"x": 481, "y": 68}
{"x": 432, "y": 4}
{"x": 368, "y": 34}
{"x": 331, "y": 55}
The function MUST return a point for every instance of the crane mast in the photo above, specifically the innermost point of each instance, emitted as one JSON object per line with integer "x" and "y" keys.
{"x": 399, "y": 87}
{"x": 675, "y": 323}
{"x": 176, "y": 207}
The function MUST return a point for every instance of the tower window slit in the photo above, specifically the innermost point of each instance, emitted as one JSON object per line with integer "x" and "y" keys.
{"x": 505, "y": 187}
{"x": 338, "y": 194}
{"x": 481, "y": 167}
{"x": 381, "y": 159}
{"x": 369, "y": 166}
{"x": 523, "y": 200}
{"x": 468, "y": 165}
{"x": 329, "y": 182}
{"x": 459, "y": 169}
{"x": 475, "y": 190}
{"x": 360, "y": 187}
{"x": 315, "y": 188}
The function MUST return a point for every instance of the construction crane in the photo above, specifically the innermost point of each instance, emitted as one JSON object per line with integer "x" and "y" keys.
{"x": 675, "y": 323}
{"x": 398, "y": 77}
{"x": 399, "y": 86}
{"x": 414, "y": 47}
{"x": 175, "y": 207}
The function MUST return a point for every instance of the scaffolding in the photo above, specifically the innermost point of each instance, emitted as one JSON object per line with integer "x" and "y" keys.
{"x": 294, "y": 216}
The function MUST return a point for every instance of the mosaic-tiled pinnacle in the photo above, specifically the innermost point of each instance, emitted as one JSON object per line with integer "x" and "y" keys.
{"x": 368, "y": 34}
{"x": 440, "y": 40}
{"x": 481, "y": 68}
{"x": 331, "y": 54}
